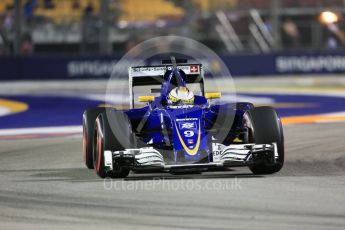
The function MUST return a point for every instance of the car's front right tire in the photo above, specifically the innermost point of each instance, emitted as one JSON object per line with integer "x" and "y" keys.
{"x": 265, "y": 127}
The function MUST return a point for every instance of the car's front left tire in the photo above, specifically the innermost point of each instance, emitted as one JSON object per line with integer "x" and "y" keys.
{"x": 89, "y": 117}
{"x": 106, "y": 140}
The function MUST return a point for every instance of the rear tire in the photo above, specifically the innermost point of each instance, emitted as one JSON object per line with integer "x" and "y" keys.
{"x": 89, "y": 118}
{"x": 104, "y": 139}
{"x": 265, "y": 128}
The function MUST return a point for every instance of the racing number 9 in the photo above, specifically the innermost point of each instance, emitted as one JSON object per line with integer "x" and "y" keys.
{"x": 188, "y": 133}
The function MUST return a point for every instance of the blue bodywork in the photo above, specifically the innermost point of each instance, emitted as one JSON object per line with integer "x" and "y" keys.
{"x": 184, "y": 133}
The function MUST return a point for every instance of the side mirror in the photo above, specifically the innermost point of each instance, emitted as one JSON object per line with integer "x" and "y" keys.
{"x": 213, "y": 95}
{"x": 146, "y": 98}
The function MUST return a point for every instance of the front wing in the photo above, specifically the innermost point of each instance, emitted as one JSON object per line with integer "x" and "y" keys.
{"x": 235, "y": 155}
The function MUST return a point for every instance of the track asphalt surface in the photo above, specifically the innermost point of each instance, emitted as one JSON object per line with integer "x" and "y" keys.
{"x": 44, "y": 185}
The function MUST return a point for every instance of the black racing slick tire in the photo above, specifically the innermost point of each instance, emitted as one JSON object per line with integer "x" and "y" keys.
{"x": 104, "y": 139}
{"x": 89, "y": 117}
{"x": 265, "y": 127}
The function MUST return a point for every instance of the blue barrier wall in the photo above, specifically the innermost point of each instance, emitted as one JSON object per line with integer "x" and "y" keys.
{"x": 239, "y": 65}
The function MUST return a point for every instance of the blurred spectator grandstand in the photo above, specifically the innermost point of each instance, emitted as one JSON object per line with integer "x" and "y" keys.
{"x": 112, "y": 26}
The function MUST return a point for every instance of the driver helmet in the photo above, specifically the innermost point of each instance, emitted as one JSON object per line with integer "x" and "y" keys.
{"x": 181, "y": 95}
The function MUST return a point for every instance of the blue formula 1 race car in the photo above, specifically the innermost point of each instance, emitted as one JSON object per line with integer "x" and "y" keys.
{"x": 180, "y": 131}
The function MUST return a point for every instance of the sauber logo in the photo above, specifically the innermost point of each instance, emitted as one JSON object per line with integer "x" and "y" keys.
{"x": 187, "y": 119}
{"x": 187, "y": 125}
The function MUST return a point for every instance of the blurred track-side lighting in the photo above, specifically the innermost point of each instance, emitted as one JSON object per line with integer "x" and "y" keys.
{"x": 122, "y": 24}
{"x": 328, "y": 17}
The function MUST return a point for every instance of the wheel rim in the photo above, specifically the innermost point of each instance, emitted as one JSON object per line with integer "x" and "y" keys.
{"x": 84, "y": 143}
{"x": 99, "y": 151}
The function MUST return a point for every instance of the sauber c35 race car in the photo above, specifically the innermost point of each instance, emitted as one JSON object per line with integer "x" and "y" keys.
{"x": 179, "y": 131}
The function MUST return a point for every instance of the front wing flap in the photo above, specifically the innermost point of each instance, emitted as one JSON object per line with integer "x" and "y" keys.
{"x": 223, "y": 156}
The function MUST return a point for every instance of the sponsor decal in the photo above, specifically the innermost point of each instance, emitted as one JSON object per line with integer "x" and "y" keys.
{"x": 191, "y": 150}
{"x": 187, "y": 119}
{"x": 148, "y": 69}
{"x": 187, "y": 125}
{"x": 160, "y": 70}
{"x": 217, "y": 150}
{"x": 184, "y": 68}
{"x": 180, "y": 106}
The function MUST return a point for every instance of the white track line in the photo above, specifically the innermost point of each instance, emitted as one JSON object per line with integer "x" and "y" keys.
{"x": 42, "y": 130}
